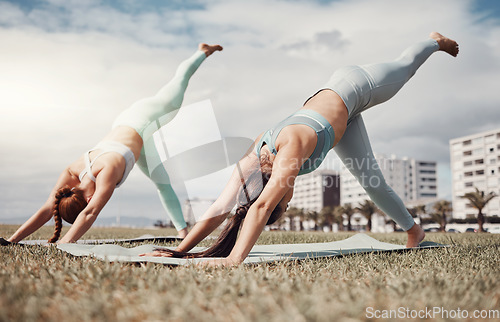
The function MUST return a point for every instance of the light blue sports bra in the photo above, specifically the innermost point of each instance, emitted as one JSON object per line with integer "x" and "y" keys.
{"x": 317, "y": 122}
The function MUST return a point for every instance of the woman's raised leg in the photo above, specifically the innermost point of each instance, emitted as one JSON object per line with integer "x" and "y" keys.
{"x": 149, "y": 114}
{"x": 169, "y": 98}
{"x": 388, "y": 78}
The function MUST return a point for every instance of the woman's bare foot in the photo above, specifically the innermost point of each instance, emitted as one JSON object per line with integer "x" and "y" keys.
{"x": 415, "y": 235}
{"x": 209, "y": 49}
{"x": 445, "y": 44}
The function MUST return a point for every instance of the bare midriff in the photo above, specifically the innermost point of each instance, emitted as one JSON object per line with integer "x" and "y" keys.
{"x": 332, "y": 108}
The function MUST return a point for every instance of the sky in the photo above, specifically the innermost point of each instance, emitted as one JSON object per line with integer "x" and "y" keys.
{"x": 69, "y": 67}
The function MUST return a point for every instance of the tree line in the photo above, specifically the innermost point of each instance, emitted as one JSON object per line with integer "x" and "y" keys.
{"x": 329, "y": 216}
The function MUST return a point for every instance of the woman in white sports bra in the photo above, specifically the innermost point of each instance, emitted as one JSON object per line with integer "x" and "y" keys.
{"x": 86, "y": 185}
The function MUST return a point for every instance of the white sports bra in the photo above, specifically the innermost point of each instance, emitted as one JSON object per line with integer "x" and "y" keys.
{"x": 108, "y": 146}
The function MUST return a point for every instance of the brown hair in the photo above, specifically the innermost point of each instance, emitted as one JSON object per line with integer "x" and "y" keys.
{"x": 68, "y": 204}
{"x": 227, "y": 238}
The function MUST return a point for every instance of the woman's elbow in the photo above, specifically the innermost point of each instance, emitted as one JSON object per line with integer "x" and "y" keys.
{"x": 89, "y": 214}
{"x": 264, "y": 208}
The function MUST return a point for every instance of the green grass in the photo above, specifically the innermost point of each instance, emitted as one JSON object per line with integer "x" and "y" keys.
{"x": 44, "y": 284}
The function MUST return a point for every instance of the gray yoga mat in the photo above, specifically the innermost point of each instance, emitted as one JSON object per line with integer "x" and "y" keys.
{"x": 359, "y": 243}
{"x": 164, "y": 239}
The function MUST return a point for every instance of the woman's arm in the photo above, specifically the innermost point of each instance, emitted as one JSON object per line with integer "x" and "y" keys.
{"x": 219, "y": 210}
{"x": 105, "y": 185}
{"x": 44, "y": 214}
{"x": 200, "y": 230}
{"x": 36, "y": 221}
{"x": 279, "y": 190}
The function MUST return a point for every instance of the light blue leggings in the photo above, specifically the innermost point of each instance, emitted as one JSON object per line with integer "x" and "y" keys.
{"x": 362, "y": 87}
{"x": 148, "y": 115}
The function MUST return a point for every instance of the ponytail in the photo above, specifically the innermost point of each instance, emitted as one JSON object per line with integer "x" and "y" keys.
{"x": 57, "y": 217}
{"x": 69, "y": 202}
{"x": 224, "y": 243}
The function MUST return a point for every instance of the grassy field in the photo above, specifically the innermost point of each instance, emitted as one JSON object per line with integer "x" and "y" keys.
{"x": 44, "y": 284}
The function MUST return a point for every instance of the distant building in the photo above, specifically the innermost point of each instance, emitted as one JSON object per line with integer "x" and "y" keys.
{"x": 475, "y": 162}
{"x": 412, "y": 180}
{"x": 316, "y": 190}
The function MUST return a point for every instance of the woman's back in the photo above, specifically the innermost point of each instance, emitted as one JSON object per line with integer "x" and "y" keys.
{"x": 110, "y": 154}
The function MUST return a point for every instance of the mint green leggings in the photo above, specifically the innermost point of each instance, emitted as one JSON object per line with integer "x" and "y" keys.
{"x": 148, "y": 115}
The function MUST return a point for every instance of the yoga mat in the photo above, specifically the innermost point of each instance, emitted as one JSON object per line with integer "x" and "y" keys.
{"x": 143, "y": 238}
{"x": 359, "y": 243}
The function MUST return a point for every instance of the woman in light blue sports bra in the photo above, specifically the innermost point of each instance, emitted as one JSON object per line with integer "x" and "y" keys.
{"x": 86, "y": 185}
{"x": 329, "y": 119}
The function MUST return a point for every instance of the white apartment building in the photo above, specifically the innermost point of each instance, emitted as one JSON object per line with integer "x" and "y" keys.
{"x": 475, "y": 162}
{"x": 316, "y": 190}
{"x": 412, "y": 180}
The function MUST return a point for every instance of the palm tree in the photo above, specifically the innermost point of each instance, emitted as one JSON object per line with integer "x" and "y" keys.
{"x": 437, "y": 218}
{"x": 441, "y": 208}
{"x": 339, "y": 215}
{"x": 328, "y": 216}
{"x": 302, "y": 217}
{"x": 347, "y": 210}
{"x": 314, "y": 216}
{"x": 479, "y": 200}
{"x": 280, "y": 223}
{"x": 293, "y": 213}
{"x": 420, "y": 210}
{"x": 290, "y": 214}
{"x": 417, "y": 211}
{"x": 367, "y": 209}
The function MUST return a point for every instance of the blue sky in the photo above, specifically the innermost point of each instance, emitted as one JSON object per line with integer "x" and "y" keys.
{"x": 68, "y": 67}
{"x": 491, "y": 8}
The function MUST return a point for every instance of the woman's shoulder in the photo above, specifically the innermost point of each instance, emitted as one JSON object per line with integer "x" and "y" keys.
{"x": 297, "y": 135}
